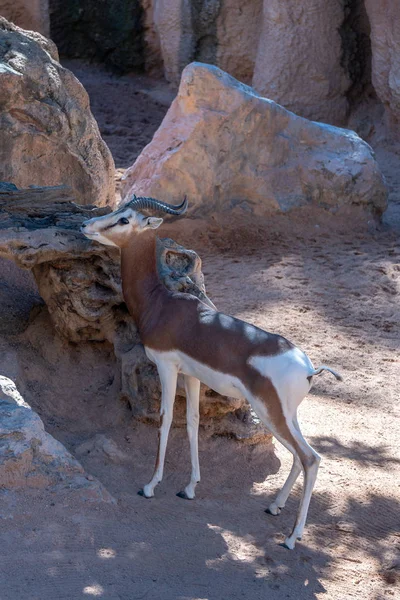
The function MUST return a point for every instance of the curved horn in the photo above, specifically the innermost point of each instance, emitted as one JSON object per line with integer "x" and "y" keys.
{"x": 151, "y": 203}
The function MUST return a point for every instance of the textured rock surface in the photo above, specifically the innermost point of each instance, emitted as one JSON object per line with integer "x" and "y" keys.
{"x": 212, "y": 31}
{"x": 30, "y": 457}
{"x": 384, "y": 17}
{"x": 225, "y": 147}
{"x": 79, "y": 281}
{"x": 48, "y": 135}
{"x": 299, "y": 58}
{"x": 28, "y": 14}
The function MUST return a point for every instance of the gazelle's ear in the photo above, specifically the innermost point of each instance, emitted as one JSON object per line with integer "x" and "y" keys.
{"x": 151, "y": 222}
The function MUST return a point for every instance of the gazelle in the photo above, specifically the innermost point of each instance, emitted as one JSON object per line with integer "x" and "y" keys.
{"x": 181, "y": 334}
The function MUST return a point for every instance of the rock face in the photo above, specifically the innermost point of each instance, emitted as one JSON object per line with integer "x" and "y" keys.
{"x": 211, "y": 31}
{"x": 299, "y": 58}
{"x": 32, "y": 458}
{"x": 227, "y": 147}
{"x": 80, "y": 283}
{"x": 28, "y": 14}
{"x": 48, "y": 135}
{"x": 384, "y": 17}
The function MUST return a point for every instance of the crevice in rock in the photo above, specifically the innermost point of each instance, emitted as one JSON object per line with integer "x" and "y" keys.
{"x": 356, "y": 51}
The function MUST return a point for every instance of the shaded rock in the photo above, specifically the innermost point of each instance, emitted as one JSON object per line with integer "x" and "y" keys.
{"x": 384, "y": 19}
{"x": 48, "y": 136}
{"x": 226, "y": 147}
{"x": 32, "y": 458}
{"x": 299, "y": 58}
{"x": 28, "y": 14}
{"x": 110, "y": 32}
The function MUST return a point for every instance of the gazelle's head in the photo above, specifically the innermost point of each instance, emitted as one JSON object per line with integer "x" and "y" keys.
{"x": 119, "y": 226}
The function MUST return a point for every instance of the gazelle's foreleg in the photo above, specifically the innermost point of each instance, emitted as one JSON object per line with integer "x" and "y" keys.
{"x": 192, "y": 388}
{"x": 168, "y": 376}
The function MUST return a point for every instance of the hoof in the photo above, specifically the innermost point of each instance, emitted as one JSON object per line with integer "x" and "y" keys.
{"x": 290, "y": 543}
{"x": 141, "y": 493}
{"x": 183, "y": 495}
{"x": 273, "y": 509}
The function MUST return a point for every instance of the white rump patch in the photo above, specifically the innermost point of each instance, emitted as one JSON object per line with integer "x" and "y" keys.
{"x": 288, "y": 373}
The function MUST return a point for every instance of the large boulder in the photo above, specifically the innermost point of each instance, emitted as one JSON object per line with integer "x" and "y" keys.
{"x": 299, "y": 58}
{"x": 227, "y": 147}
{"x": 28, "y": 14}
{"x": 384, "y": 17}
{"x": 212, "y": 31}
{"x": 30, "y": 457}
{"x": 48, "y": 136}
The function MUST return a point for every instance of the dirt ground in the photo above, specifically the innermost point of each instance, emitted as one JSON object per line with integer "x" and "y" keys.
{"x": 333, "y": 290}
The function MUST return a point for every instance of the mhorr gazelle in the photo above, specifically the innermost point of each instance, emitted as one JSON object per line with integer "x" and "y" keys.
{"x": 181, "y": 334}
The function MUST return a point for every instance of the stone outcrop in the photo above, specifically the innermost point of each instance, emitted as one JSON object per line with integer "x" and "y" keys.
{"x": 228, "y": 148}
{"x": 80, "y": 283}
{"x": 48, "y": 135}
{"x": 299, "y": 59}
{"x": 211, "y": 31}
{"x": 32, "y": 458}
{"x": 384, "y": 17}
{"x": 28, "y": 14}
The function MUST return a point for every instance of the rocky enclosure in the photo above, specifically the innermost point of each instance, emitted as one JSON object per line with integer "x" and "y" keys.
{"x": 228, "y": 148}
{"x": 80, "y": 283}
{"x": 48, "y": 135}
{"x": 316, "y": 58}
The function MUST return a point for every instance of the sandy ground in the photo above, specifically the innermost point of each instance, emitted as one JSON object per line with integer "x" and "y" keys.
{"x": 333, "y": 291}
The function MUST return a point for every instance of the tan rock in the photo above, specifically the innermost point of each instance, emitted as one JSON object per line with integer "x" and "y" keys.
{"x": 384, "y": 17}
{"x": 48, "y": 136}
{"x": 299, "y": 58}
{"x": 28, "y": 14}
{"x": 228, "y": 148}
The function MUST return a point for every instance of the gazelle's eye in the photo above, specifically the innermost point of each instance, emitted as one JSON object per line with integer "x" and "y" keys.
{"x": 123, "y": 221}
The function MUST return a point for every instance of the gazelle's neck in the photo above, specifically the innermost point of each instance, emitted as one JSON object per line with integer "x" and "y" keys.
{"x": 141, "y": 285}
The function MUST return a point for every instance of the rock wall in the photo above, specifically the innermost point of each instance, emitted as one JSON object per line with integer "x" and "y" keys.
{"x": 298, "y": 60}
{"x": 48, "y": 135}
{"x": 28, "y": 14}
{"x": 314, "y": 58}
{"x": 384, "y": 18}
{"x": 212, "y": 31}
{"x": 238, "y": 153}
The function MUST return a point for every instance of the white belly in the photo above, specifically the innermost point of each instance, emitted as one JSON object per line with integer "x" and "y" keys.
{"x": 224, "y": 384}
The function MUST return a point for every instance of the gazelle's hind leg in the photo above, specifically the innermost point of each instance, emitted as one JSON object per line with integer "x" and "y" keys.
{"x": 310, "y": 462}
{"x": 168, "y": 376}
{"x": 192, "y": 388}
{"x": 289, "y": 434}
{"x": 280, "y": 501}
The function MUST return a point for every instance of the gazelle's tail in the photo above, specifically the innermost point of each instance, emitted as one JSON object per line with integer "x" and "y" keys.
{"x": 324, "y": 368}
